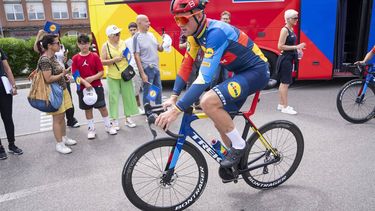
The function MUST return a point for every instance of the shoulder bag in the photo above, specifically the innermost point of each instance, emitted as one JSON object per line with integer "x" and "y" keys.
{"x": 128, "y": 73}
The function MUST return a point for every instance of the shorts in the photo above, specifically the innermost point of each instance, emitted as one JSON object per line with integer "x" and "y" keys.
{"x": 137, "y": 84}
{"x": 65, "y": 105}
{"x": 100, "y": 103}
{"x": 285, "y": 66}
{"x": 234, "y": 91}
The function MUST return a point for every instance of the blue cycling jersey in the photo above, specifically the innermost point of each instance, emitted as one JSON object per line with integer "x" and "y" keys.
{"x": 222, "y": 44}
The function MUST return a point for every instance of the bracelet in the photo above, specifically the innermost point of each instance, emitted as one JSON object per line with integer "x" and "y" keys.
{"x": 174, "y": 95}
{"x": 177, "y": 108}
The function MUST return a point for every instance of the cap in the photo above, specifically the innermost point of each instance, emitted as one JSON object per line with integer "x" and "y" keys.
{"x": 89, "y": 96}
{"x": 112, "y": 29}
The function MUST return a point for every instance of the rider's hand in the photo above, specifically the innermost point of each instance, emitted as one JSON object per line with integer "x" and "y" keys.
{"x": 171, "y": 101}
{"x": 359, "y": 62}
{"x": 165, "y": 119}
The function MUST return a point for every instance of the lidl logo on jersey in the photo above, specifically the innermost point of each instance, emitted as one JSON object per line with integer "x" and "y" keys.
{"x": 234, "y": 89}
{"x": 209, "y": 53}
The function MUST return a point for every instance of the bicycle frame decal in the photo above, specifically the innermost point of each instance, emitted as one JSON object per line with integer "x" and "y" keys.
{"x": 187, "y": 130}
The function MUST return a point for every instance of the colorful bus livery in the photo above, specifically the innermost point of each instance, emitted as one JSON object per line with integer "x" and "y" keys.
{"x": 335, "y": 31}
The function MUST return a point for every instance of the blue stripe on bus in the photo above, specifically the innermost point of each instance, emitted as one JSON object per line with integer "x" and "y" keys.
{"x": 371, "y": 39}
{"x": 318, "y": 22}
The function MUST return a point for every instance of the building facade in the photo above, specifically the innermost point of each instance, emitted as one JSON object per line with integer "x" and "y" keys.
{"x": 23, "y": 18}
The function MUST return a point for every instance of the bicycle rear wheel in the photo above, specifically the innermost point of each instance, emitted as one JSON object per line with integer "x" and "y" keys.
{"x": 287, "y": 140}
{"x": 142, "y": 176}
{"x": 355, "y": 109}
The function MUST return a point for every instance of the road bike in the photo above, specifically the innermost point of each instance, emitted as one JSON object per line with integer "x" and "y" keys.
{"x": 171, "y": 173}
{"x": 356, "y": 98}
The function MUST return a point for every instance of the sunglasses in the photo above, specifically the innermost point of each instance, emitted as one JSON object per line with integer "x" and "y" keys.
{"x": 295, "y": 18}
{"x": 118, "y": 34}
{"x": 183, "y": 20}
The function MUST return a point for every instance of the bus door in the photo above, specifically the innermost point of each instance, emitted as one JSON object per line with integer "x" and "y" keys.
{"x": 352, "y": 34}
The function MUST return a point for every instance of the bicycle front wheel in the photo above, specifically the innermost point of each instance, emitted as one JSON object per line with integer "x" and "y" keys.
{"x": 351, "y": 106}
{"x": 143, "y": 176}
{"x": 286, "y": 139}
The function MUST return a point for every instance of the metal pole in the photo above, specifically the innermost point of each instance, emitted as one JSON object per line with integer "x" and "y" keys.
{"x": 1, "y": 29}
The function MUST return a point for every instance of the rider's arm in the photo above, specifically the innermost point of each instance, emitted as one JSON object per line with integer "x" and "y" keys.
{"x": 216, "y": 44}
{"x": 186, "y": 66}
{"x": 369, "y": 55}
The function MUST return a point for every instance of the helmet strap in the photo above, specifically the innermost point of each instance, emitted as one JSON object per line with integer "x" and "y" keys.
{"x": 199, "y": 25}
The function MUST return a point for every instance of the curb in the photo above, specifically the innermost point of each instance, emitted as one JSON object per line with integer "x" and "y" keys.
{"x": 23, "y": 84}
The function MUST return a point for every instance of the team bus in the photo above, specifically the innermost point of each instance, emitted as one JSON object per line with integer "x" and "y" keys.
{"x": 335, "y": 31}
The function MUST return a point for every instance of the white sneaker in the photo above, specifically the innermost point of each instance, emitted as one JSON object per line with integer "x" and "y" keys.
{"x": 288, "y": 110}
{"x": 69, "y": 142}
{"x": 279, "y": 107}
{"x": 129, "y": 122}
{"x": 115, "y": 124}
{"x": 111, "y": 130}
{"x": 141, "y": 110}
{"x": 60, "y": 147}
{"x": 91, "y": 134}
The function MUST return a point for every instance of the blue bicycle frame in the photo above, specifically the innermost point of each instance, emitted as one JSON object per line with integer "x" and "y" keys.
{"x": 370, "y": 78}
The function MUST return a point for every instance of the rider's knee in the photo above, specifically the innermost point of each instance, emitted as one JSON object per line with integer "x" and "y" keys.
{"x": 208, "y": 102}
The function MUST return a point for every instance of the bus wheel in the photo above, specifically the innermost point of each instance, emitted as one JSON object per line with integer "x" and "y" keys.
{"x": 272, "y": 59}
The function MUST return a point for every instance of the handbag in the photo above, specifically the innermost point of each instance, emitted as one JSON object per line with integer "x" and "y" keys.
{"x": 128, "y": 73}
{"x": 45, "y": 97}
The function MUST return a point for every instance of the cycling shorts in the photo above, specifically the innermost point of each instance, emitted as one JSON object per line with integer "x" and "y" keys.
{"x": 234, "y": 91}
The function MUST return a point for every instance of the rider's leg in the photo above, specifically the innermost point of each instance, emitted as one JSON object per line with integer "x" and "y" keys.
{"x": 213, "y": 107}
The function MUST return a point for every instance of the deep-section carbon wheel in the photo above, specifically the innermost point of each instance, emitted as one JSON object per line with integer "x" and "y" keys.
{"x": 353, "y": 108}
{"x": 143, "y": 176}
{"x": 286, "y": 139}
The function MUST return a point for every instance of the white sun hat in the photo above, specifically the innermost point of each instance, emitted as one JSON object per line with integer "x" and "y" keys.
{"x": 89, "y": 96}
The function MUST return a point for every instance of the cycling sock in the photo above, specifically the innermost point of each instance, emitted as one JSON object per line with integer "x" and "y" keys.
{"x": 237, "y": 141}
{"x": 90, "y": 123}
{"x": 107, "y": 122}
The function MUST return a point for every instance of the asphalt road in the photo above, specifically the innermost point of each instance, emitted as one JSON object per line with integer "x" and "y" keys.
{"x": 336, "y": 172}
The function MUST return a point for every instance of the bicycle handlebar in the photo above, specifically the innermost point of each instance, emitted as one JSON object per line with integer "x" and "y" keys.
{"x": 152, "y": 113}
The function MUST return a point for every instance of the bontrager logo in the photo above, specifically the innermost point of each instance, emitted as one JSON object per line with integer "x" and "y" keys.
{"x": 195, "y": 194}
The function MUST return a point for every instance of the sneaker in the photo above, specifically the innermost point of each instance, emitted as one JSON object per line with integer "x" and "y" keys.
{"x": 69, "y": 142}
{"x": 141, "y": 110}
{"x": 115, "y": 124}
{"x": 279, "y": 107}
{"x": 233, "y": 157}
{"x": 60, "y": 147}
{"x": 129, "y": 122}
{"x": 74, "y": 124}
{"x": 3, "y": 154}
{"x": 111, "y": 130}
{"x": 288, "y": 110}
{"x": 15, "y": 150}
{"x": 91, "y": 134}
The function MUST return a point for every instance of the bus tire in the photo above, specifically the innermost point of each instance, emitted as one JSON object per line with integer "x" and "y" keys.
{"x": 272, "y": 60}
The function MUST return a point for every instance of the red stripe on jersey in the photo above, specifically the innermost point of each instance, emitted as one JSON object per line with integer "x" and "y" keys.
{"x": 186, "y": 67}
{"x": 228, "y": 58}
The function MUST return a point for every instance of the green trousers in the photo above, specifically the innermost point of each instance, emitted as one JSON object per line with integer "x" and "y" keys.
{"x": 119, "y": 88}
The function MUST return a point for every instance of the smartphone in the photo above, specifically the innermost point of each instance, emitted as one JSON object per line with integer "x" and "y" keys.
{"x": 69, "y": 62}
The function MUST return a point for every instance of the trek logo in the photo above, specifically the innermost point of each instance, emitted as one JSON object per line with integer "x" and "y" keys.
{"x": 206, "y": 147}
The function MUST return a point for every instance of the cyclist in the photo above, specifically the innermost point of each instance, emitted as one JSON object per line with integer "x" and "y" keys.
{"x": 368, "y": 56}
{"x": 232, "y": 48}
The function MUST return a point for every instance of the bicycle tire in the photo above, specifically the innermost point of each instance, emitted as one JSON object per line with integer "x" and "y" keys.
{"x": 349, "y": 109}
{"x": 277, "y": 133}
{"x": 147, "y": 152}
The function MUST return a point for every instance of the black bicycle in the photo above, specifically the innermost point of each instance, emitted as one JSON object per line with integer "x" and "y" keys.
{"x": 171, "y": 173}
{"x": 356, "y": 99}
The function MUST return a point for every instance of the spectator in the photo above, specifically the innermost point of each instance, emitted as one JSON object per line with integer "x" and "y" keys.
{"x": 112, "y": 57}
{"x": 6, "y": 103}
{"x": 368, "y": 56}
{"x": 61, "y": 57}
{"x": 54, "y": 72}
{"x": 90, "y": 70}
{"x": 137, "y": 81}
{"x": 225, "y": 17}
{"x": 288, "y": 47}
{"x": 146, "y": 56}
